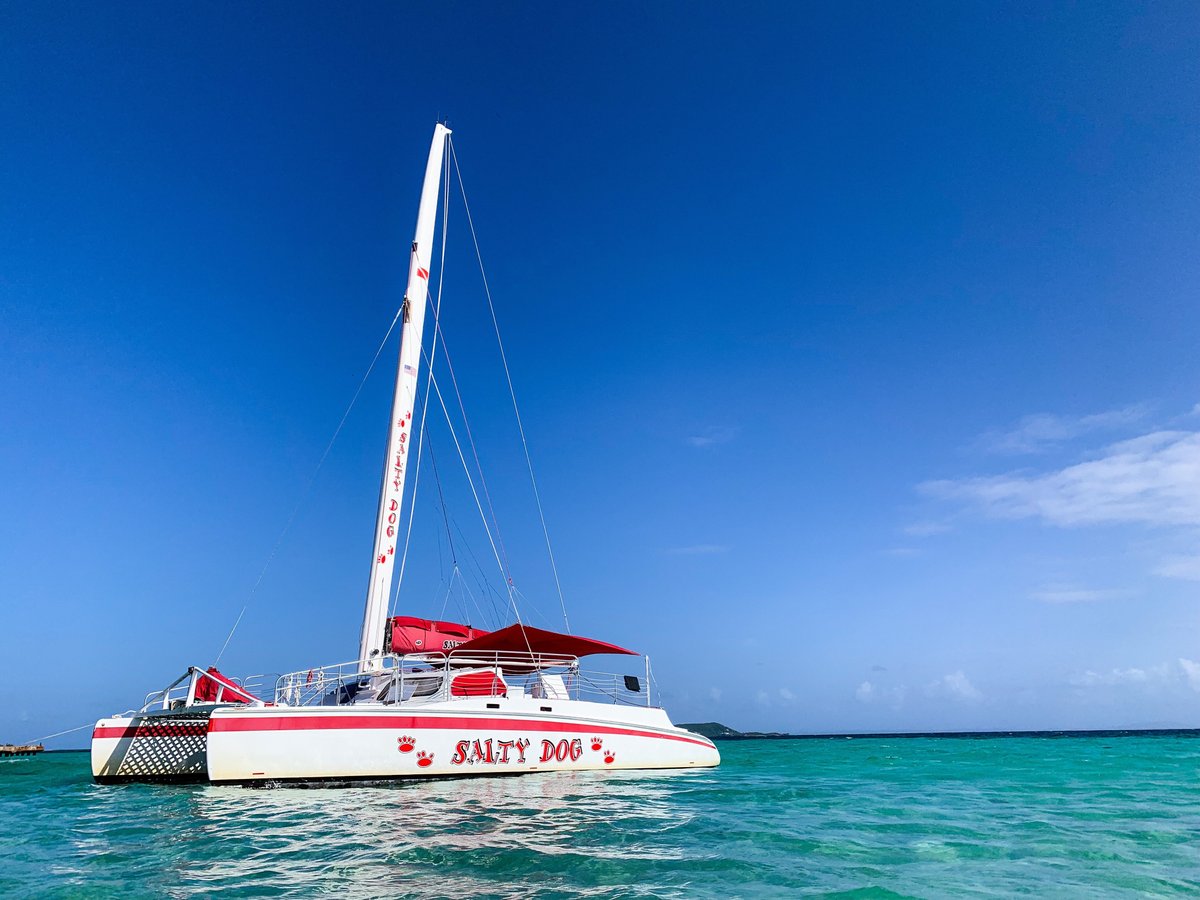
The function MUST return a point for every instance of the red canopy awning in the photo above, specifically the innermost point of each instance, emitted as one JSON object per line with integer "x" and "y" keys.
{"x": 525, "y": 639}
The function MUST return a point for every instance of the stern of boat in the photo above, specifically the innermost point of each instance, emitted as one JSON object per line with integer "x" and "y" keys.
{"x": 167, "y": 739}
{"x": 170, "y": 747}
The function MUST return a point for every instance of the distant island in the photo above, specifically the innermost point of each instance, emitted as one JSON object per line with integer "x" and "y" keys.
{"x": 718, "y": 732}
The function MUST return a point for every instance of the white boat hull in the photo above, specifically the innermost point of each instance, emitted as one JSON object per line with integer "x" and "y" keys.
{"x": 475, "y": 737}
{"x": 164, "y": 747}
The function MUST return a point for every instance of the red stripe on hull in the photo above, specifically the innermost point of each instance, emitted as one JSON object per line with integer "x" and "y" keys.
{"x": 312, "y": 723}
{"x": 130, "y": 731}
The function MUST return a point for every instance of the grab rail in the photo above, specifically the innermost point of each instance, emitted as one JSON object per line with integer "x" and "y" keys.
{"x": 430, "y": 677}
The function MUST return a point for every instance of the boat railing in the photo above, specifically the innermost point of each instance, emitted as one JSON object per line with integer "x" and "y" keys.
{"x": 181, "y": 693}
{"x": 322, "y": 686}
{"x": 175, "y": 695}
{"x": 433, "y": 677}
{"x": 608, "y": 687}
{"x": 423, "y": 677}
{"x": 534, "y": 673}
{"x": 258, "y": 685}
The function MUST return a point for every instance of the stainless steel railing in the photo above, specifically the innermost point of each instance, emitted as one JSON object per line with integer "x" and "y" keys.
{"x": 425, "y": 678}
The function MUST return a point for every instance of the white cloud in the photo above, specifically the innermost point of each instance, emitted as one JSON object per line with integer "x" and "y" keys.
{"x": 763, "y": 698}
{"x": 698, "y": 550}
{"x": 1043, "y": 431}
{"x": 870, "y": 693}
{"x": 925, "y": 529}
{"x": 712, "y": 436}
{"x": 1065, "y": 593}
{"x": 956, "y": 685}
{"x": 1118, "y": 676}
{"x": 1186, "y": 567}
{"x": 1153, "y": 479}
{"x": 1191, "y": 672}
{"x": 786, "y": 696}
{"x": 903, "y": 552}
{"x": 714, "y": 694}
{"x": 1183, "y": 673}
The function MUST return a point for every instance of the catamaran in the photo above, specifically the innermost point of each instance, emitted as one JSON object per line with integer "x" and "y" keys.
{"x": 423, "y": 698}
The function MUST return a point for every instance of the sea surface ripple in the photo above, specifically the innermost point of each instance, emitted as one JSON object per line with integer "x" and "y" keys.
{"x": 881, "y": 817}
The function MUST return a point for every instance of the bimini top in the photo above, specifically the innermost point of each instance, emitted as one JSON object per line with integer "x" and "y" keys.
{"x": 525, "y": 639}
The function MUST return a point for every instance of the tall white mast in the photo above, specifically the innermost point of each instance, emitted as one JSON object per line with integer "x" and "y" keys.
{"x": 391, "y": 493}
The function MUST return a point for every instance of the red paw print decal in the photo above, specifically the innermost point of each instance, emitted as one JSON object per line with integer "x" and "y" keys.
{"x": 609, "y": 756}
{"x": 424, "y": 760}
{"x": 596, "y": 742}
{"x": 405, "y": 744}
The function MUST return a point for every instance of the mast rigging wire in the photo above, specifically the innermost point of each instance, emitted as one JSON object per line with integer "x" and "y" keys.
{"x": 481, "y": 579}
{"x": 311, "y": 480}
{"x": 487, "y": 495}
{"x": 511, "y": 391}
{"x": 442, "y": 501}
{"x": 60, "y": 733}
{"x": 475, "y": 493}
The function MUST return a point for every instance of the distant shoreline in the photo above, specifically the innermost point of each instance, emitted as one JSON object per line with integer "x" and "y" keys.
{"x": 717, "y": 732}
{"x": 62, "y": 750}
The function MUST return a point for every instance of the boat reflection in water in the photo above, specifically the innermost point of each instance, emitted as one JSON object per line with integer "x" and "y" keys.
{"x": 406, "y": 838}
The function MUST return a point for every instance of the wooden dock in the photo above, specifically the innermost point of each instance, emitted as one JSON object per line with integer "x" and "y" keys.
{"x": 20, "y": 749}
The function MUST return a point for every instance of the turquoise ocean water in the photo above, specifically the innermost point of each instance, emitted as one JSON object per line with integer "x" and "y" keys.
{"x": 881, "y": 817}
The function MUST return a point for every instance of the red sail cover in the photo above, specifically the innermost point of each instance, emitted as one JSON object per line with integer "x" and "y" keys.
{"x": 413, "y": 635}
{"x": 212, "y": 683}
{"x": 524, "y": 639}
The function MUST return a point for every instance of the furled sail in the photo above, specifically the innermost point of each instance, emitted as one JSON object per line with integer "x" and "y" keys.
{"x": 391, "y": 493}
{"x": 409, "y": 634}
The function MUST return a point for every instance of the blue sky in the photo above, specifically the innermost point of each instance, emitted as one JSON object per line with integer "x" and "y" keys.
{"x": 856, "y": 346}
